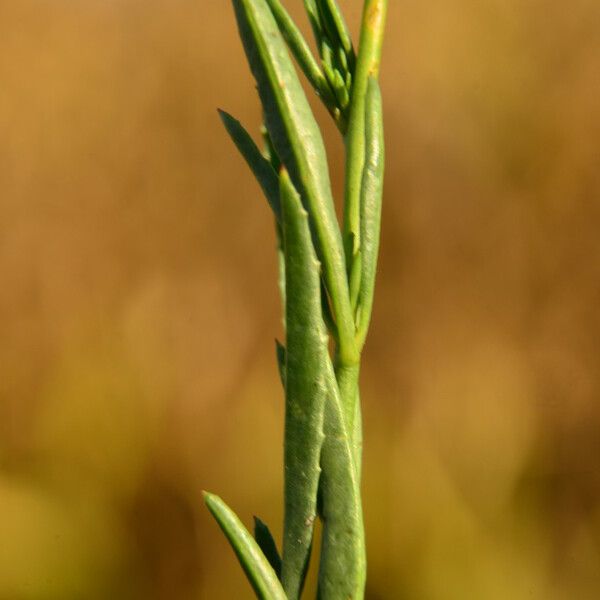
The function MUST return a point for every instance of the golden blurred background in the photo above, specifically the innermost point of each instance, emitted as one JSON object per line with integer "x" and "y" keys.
{"x": 138, "y": 303}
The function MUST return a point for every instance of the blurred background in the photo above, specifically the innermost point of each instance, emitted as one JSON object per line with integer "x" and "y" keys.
{"x": 138, "y": 303}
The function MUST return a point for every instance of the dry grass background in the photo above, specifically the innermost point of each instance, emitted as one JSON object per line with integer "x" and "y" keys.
{"x": 138, "y": 303}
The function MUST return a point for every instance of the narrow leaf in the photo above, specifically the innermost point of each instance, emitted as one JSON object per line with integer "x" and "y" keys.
{"x": 370, "y": 203}
{"x": 261, "y": 575}
{"x": 332, "y": 15}
{"x": 268, "y": 151}
{"x": 267, "y": 544}
{"x": 306, "y": 353}
{"x": 302, "y": 52}
{"x": 327, "y": 55}
{"x": 343, "y": 59}
{"x": 367, "y": 65}
{"x": 355, "y": 278}
{"x": 280, "y": 353}
{"x": 342, "y": 570}
{"x": 327, "y": 316}
{"x": 298, "y": 142}
{"x": 340, "y": 90}
{"x": 327, "y": 63}
{"x": 260, "y": 166}
{"x": 314, "y": 19}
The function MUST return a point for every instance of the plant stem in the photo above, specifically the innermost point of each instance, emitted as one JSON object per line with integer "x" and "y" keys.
{"x": 347, "y": 378}
{"x": 326, "y": 279}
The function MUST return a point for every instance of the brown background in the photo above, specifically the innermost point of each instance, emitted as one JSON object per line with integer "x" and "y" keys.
{"x": 138, "y": 303}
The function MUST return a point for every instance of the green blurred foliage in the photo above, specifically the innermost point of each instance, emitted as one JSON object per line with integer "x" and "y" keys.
{"x": 138, "y": 303}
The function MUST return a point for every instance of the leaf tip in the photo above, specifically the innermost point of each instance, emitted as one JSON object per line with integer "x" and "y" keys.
{"x": 223, "y": 115}
{"x": 208, "y": 498}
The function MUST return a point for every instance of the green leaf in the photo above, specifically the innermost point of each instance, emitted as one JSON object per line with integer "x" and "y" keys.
{"x": 280, "y": 353}
{"x": 367, "y": 66}
{"x": 267, "y": 544}
{"x": 306, "y": 353}
{"x": 370, "y": 204}
{"x": 357, "y": 436}
{"x": 315, "y": 21}
{"x": 257, "y": 568}
{"x": 327, "y": 315}
{"x": 268, "y": 151}
{"x": 299, "y": 145}
{"x": 302, "y": 53}
{"x": 342, "y": 571}
{"x": 260, "y": 166}
{"x": 339, "y": 87}
{"x": 334, "y": 22}
{"x": 327, "y": 61}
{"x": 355, "y": 276}
{"x": 343, "y": 60}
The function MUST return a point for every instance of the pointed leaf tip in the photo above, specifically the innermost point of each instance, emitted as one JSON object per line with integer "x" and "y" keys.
{"x": 259, "y": 571}
{"x": 265, "y": 540}
{"x": 259, "y": 165}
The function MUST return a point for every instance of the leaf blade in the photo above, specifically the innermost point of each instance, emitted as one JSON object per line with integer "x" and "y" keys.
{"x": 280, "y": 355}
{"x": 259, "y": 165}
{"x": 370, "y": 203}
{"x": 342, "y": 571}
{"x": 337, "y": 24}
{"x": 267, "y": 544}
{"x": 367, "y": 65}
{"x": 306, "y": 351}
{"x": 261, "y": 575}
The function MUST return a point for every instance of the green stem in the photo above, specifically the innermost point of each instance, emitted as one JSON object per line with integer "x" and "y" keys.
{"x": 347, "y": 379}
